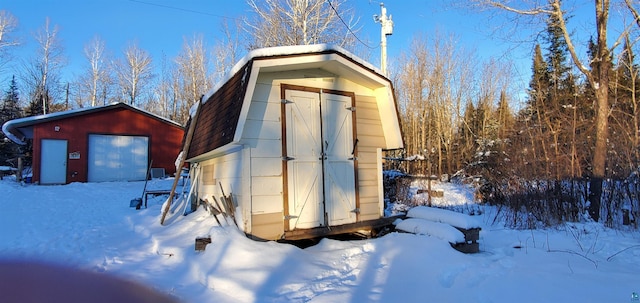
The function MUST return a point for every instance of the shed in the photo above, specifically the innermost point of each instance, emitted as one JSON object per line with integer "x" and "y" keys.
{"x": 115, "y": 142}
{"x": 296, "y": 134}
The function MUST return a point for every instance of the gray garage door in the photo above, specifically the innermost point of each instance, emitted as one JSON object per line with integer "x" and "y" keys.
{"x": 117, "y": 158}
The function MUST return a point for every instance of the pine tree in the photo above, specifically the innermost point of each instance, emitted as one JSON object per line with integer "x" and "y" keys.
{"x": 538, "y": 86}
{"x": 558, "y": 65}
{"x": 10, "y": 110}
{"x": 466, "y": 139}
{"x": 548, "y": 114}
{"x": 504, "y": 116}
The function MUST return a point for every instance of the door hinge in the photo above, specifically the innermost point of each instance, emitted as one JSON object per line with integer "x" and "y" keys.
{"x": 285, "y": 101}
{"x": 353, "y": 159}
{"x": 289, "y": 217}
{"x": 352, "y": 108}
{"x": 288, "y": 158}
{"x": 356, "y": 210}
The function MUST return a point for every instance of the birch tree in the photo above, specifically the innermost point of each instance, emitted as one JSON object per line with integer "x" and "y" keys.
{"x": 41, "y": 75}
{"x": 227, "y": 50}
{"x": 300, "y": 22}
{"x": 163, "y": 90}
{"x": 193, "y": 67}
{"x": 134, "y": 73}
{"x": 94, "y": 83}
{"x": 8, "y": 24}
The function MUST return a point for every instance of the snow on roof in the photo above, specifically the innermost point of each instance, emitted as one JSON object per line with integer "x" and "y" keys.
{"x": 10, "y": 126}
{"x": 284, "y": 51}
{"x": 444, "y": 216}
{"x": 10, "y": 135}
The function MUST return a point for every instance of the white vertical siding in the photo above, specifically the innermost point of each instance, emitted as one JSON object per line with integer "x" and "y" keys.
{"x": 226, "y": 170}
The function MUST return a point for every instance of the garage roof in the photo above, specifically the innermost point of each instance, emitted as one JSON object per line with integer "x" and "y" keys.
{"x": 18, "y": 130}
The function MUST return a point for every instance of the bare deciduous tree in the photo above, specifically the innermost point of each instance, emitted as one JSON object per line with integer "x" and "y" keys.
{"x": 134, "y": 73}
{"x": 8, "y": 24}
{"x": 193, "y": 65}
{"x": 163, "y": 90}
{"x": 94, "y": 83}
{"x": 193, "y": 69}
{"x": 227, "y": 50}
{"x": 597, "y": 77}
{"x": 42, "y": 73}
{"x": 435, "y": 81}
{"x": 300, "y": 22}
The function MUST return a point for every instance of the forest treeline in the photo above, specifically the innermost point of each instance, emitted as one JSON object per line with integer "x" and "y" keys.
{"x": 565, "y": 141}
{"x": 459, "y": 121}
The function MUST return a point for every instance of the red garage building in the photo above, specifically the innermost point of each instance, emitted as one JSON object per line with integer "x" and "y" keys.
{"x": 115, "y": 142}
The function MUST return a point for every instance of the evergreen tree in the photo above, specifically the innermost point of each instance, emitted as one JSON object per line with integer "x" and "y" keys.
{"x": 549, "y": 111}
{"x": 35, "y": 107}
{"x": 10, "y": 110}
{"x": 558, "y": 65}
{"x": 538, "y": 86}
{"x": 464, "y": 148}
{"x": 504, "y": 116}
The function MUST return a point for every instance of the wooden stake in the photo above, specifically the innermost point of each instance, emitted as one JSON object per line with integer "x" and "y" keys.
{"x": 185, "y": 151}
{"x": 213, "y": 212}
{"x": 229, "y": 204}
{"x": 222, "y": 210}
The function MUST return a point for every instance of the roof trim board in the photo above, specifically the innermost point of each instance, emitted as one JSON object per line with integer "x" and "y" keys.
{"x": 14, "y": 129}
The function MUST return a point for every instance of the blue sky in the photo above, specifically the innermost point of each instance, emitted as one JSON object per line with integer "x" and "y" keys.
{"x": 159, "y": 26}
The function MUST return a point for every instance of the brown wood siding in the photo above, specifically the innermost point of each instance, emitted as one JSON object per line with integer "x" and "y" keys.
{"x": 218, "y": 118}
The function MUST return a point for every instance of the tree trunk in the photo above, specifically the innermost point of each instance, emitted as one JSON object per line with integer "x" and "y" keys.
{"x": 602, "y": 111}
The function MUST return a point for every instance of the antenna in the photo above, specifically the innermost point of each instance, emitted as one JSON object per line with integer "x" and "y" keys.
{"x": 385, "y": 30}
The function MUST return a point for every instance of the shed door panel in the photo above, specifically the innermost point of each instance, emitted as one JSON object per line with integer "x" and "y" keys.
{"x": 339, "y": 176}
{"x": 320, "y": 170}
{"x": 53, "y": 161}
{"x": 304, "y": 172}
{"x": 117, "y": 158}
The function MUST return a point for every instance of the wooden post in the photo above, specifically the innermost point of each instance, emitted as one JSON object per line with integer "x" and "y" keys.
{"x": 19, "y": 172}
{"x": 429, "y": 190}
{"x": 185, "y": 151}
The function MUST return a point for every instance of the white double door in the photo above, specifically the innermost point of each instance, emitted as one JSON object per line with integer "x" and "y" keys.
{"x": 320, "y": 157}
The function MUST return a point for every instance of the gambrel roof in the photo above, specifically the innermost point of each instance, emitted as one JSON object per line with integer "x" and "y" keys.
{"x": 224, "y": 109}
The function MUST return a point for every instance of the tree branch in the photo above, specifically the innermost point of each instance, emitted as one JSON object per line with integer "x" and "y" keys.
{"x": 557, "y": 10}
{"x": 634, "y": 12}
{"x": 530, "y": 12}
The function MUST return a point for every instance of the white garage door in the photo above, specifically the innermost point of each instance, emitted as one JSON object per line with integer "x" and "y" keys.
{"x": 117, "y": 158}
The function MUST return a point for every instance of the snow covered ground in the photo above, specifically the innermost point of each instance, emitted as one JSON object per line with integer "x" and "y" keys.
{"x": 90, "y": 226}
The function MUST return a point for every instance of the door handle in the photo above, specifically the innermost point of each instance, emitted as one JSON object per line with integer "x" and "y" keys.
{"x": 355, "y": 145}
